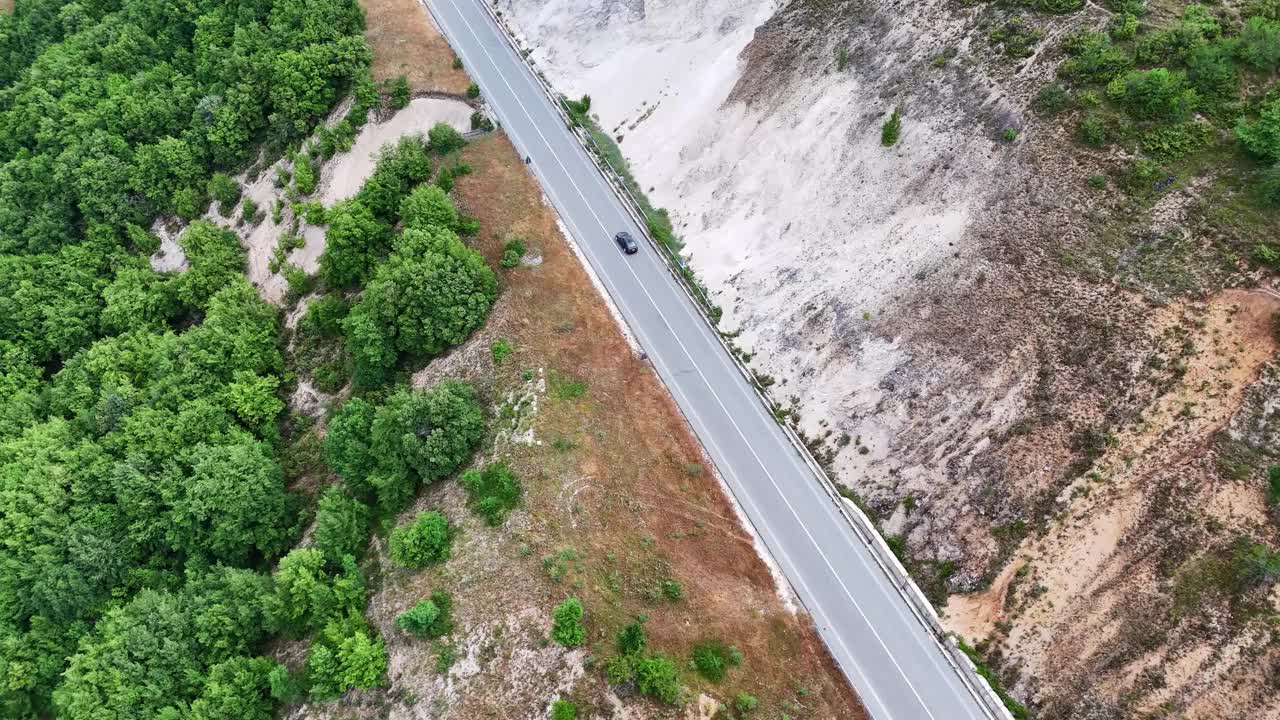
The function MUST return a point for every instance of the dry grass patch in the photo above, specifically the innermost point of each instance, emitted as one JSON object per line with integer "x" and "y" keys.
{"x": 614, "y": 475}
{"x": 6, "y": 6}
{"x": 405, "y": 41}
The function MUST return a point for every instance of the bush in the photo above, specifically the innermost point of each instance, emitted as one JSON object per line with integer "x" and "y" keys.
{"x": 345, "y": 656}
{"x": 1268, "y": 186}
{"x": 354, "y": 242}
{"x": 578, "y": 110}
{"x": 428, "y": 207}
{"x": 1123, "y": 26}
{"x": 1051, "y": 100}
{"x": 891, "y": 129}
{"x": 712, "y": 659}
{"x": 429, "y": 618}
{"x": 442, "y": 138}
{"x": 1017, "y": 37}
{"x": 249, "y": 211}
{"x": 225, "y": 191}
{"x": 657, "y": 677}
{"x": 1093, "y": 58}
{"x": 1259, "y": 46}
{"x": 745, "y": 702}
{"x": 494, "y": 492}
{"x": 480, "y": 122}
{"x": 1009, "y": 135}
{"x": 1157, "y": 94}
{"x": 342, "y": 526}
{"x": 501, "y": 349}
{"x": 1213, "y": 74}
{"x": 1262, "y": 137}
{"x": 473, "y": 91}
{"x": 423, "y": 542}
{"x": 566, "y": 623}
{"x": 401, "y": 166}
{"x": 563, "y": 710}
{"x": 512, "y": 253}
{"x": 304, "y": 175}
{"x": 398, "y": 90}
{"x": 1092, "y": 130}
{"x": 671, "y": 590}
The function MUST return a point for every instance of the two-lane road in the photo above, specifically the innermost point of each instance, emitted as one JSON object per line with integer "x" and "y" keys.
{"x": 895, "y": 665}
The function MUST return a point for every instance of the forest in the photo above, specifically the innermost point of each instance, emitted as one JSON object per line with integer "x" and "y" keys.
{"x": 146, "y": 518}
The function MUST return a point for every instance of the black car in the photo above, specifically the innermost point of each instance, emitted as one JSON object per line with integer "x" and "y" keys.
{"x": 626, "y": 242}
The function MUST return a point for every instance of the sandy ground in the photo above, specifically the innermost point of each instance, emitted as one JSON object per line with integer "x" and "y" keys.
{"x": 344, "y": 174}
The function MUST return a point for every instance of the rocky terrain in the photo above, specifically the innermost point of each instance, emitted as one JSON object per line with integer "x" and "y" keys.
{"x": 1045, "y": 382}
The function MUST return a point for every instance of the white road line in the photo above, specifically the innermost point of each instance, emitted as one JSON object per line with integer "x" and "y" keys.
{"x": 697, "y": 369}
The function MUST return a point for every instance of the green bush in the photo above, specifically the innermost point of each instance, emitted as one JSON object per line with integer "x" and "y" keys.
{"x": 442, "y": 138}
{"x": 631, "y": 639}
{"x": 656, "y": 676}
{"x": 512, "y": 253}
{"x": 745, "y": 702}
{"x": 249, "y": 211}
{"x": 1123, "y": 26}
{"x": 501, "y": 349}
{"x": 225, "y": 191}
{"x": 401, "y": 166}
{"x": 480, "y": 121}
{"x": 891, "y": 129}
{"x": 712, "y": 659}
{"x": 1213, "y": 74}
{"x": 428, "y": 208}
{"x": 423, "y": 542}
{"x": 566, "y": 623}
{"x": 1092, "y": 130}
{"x": 1261, "y": 137}
{"x": 341, "y": 527}
{"x": 429, "y": 618}
{"x": 473, "y": 91}
{"x": 1009, "y": 135}
{"x": 1158, "y": 94}
{"x": 354, "y": 242}
{"x": 563, "y": 710}
{"x": 1017, "y": 37}
{"x": 671, "y": 590}
{"x": 345, "y": 656}
{"x": 1093, "y": 59}
{"x": 304, "y": 175}
{"x": 493, "y": 491}
{"x": 1051, "y": 100}
{"x": 398, "y": 91}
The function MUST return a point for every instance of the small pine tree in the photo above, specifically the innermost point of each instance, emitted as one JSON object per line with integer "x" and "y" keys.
{"x": 891, "y": 130}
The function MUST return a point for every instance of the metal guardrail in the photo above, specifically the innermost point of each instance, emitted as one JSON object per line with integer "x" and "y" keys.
{"x": 921, "y": 608}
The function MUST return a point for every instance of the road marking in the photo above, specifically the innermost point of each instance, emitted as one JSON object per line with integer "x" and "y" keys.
{"x": 698, "y": 370}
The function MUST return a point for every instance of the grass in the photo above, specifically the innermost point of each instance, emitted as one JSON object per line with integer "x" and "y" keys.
{"x": 404, "y": 42}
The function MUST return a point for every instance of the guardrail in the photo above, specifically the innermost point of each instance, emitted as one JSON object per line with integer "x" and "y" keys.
{"x": 921, "y": 608}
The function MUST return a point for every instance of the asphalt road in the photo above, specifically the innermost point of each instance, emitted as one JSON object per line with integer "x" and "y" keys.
{"x": 893, "y": 663}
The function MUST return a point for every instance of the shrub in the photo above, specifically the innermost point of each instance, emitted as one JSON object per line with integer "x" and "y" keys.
{"x": 1097, "y": 182}
{"x": 672, "y": 590}
{"x": 473, "y": 91}
{"x": 712, "y": 659}
{"x": 1017, "y": 37}
{"x": 457, "y": 63}
{"x": 631, "y": 639}
{"x": 428, "y": 208}
{"x": 1123, "y": 26}
{"x": 480, "y": 121}
{"x": 1259, "y": 45}
{"x": 1051, "y": 100}
{"x": 442, "y": 138}
{"x": 341, "y": 527}
{"x": 345, "y": 656}
{"x": 1257, "y": 565}
{"x": 423, "y": 542}
{"x": 1158, "y": 94}
{"x": 1092, "y": 130}
{"x": 398, "y": 90}
{"x": 1213, "y": 74}
{"x": 1009, "y": 135}
{"x": 566, "y": 623}
{"x": 745, "y": 702}
{"x": 512, "y": 253}
{"x": 249, "y": 211}
{"x": 225, "y": 191}
{"x": 401, "y": 166}
{"x": 429, "y": 618}
{"x": 1268, "y": 186}
{"x": 494, "y": 492}
{"x": 1262, "y": 137}
{"x": 1176, "y": 141}
{"x": 563, "y": 710}
{"x": 842, "y": 59}
{"x": 657, "y": 677}
{"x": 501, "y": 349}
{"x": 578, "y": 110}
{"x": 304, "y": 175}
{"x": 1093, "y": 58}
{"x": 891, "y": 129}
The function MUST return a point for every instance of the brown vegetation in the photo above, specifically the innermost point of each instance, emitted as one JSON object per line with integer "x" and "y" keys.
{"x": 405, "y": 41}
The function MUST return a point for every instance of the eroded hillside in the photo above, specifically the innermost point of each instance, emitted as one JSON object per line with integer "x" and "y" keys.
{"x": 1030, "y": 334}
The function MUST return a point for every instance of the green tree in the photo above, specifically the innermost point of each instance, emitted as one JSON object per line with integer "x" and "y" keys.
{"x": 341, "y": 527}
{"x": 657, "y": 676}
{"x": 423, "y": 542}
{"x": 1157, "y": 94}
{"x": 566, "y": 623}
{"x": 443, "y": 139}
{"x": 216, "y": 260}
{"x": 346, "y": 655}
{"x": 225, "y": 191}
{"x": 399, "y": 92}
{"x": 238, "y": 688}
{"x": 354, "y": 242}
{"x": 400, "y": 167}
{"x": 428, "y": 207}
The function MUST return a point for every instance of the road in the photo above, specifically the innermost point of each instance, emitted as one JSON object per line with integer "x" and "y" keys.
{"x": 894, "y": 664}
